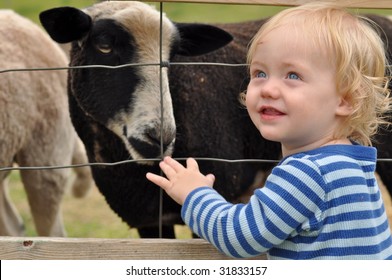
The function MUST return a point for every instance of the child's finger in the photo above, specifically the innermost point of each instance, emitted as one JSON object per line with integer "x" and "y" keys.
{"x": 158, "y": 180}
{"x": 174, "y": 164}
{"x": 191, "y": 163}
{"x": 167, "y": 169}
{"x": 211, "y": 177}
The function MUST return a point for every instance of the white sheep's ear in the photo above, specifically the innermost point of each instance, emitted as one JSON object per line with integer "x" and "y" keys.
{"x": 198, "y": 39}
{"x": 65, "y": 24}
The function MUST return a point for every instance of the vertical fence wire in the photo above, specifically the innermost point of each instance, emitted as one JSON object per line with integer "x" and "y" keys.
{"x": 160, "y": 223}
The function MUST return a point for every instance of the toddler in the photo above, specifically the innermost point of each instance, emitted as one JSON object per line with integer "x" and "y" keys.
{"x": 318, "y": 87}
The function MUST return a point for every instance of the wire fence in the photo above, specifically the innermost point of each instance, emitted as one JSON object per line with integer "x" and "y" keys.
{"x": 17, "y": 168}
{"x": 161, "y": 64}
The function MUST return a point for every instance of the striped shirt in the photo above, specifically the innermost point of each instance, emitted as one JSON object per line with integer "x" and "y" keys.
{"x": 319, "y": 204}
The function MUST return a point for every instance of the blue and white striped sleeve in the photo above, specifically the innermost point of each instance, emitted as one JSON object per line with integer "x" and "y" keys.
{"x": 291, "y": 199}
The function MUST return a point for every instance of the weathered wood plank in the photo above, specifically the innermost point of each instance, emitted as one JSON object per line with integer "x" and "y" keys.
{"x": 377, "y": 4}
{"x": 44, "y": 248}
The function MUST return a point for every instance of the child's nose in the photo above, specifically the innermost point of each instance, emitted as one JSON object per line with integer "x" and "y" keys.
{"x": 270, "y": 89}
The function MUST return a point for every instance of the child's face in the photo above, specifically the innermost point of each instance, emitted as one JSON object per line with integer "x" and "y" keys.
{"x": 292, "y": 96}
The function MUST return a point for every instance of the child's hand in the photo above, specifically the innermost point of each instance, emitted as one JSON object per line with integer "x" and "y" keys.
{"x": 180, "y": 180}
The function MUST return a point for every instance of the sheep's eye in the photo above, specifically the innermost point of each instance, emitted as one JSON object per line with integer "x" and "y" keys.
{"x": 104, "y": 48}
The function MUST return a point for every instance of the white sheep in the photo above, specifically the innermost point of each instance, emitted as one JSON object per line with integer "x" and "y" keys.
{"x": 35, "y": 127}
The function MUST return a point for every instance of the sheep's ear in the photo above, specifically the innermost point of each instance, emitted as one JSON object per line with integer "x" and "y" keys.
{"x": 65, "y": 24}
{"x": 198, "y": 39}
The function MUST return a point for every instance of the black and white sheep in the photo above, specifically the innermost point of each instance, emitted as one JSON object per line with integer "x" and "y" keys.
{"x": 35, "y": 127}
{"x": 117, "y": 113}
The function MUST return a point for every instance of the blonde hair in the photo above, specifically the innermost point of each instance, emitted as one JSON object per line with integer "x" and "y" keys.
{"x": 357, "y": 52}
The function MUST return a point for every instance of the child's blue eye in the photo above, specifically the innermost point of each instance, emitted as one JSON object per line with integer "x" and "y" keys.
{"x": 293, "y": 76}
{"x": 261, "y": 74}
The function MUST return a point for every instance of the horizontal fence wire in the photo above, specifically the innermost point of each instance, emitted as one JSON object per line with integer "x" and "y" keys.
{"x": 162, "y": 64}
{"x": 232, "y": 161}
{"x": 136, "y": 161}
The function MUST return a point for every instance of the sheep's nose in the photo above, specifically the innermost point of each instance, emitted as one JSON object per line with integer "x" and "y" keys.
{"x": 154, "y": 136}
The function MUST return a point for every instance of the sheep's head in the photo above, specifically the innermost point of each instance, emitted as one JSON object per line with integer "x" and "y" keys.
{"x": 132, "y": 102}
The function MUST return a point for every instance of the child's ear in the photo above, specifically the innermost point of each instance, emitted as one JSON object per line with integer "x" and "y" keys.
{"x": 344, "y": 108}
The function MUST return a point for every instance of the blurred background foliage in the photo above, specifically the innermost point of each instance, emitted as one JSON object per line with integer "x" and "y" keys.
{"x": 91, "y": 216}
{"x": 185, "y": 12}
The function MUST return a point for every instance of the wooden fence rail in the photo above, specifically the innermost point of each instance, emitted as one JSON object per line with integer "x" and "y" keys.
{"x": 43, "y": 248}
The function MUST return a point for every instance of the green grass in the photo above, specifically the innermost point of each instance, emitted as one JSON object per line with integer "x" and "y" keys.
{"x": 83, "y": 217}
{"x": 31, "y": 9}
{"x": 185, "y": 12}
